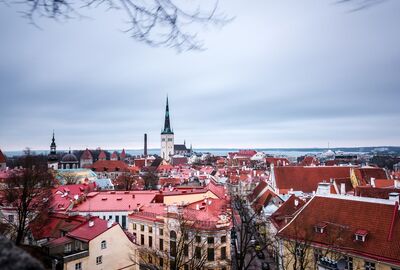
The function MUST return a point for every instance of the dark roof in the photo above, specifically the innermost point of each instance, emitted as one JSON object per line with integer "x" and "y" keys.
{"x": 167, "y": 124}
{"x": 180, "y": 147}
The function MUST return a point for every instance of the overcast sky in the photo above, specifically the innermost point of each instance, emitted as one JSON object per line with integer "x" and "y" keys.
{"x": 297, "y": 73}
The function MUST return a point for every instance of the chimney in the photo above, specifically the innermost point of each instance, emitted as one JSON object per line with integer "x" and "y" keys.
{"x": 342, "y": 188}
{"x": 394, "y": 196}
{"x": 372, "y": 181}
{"x": 91, "y": 223}
{"x": 197, "y": 207}
{"x": 145, "y": 145}
{"x": 109, "y": 223}
{"x": 324, "y": 188}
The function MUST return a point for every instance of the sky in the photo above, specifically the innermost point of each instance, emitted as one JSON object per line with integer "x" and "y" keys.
{"x": 294, "y": 73}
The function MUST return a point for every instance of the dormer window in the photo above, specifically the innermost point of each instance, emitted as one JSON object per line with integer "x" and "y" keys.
{"x": 360, "y": 235}
{"x": 320, "y": 227}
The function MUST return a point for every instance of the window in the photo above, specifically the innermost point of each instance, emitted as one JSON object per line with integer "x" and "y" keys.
{"x": 11, "y": 218}
{"x": 186, "y": 236}
{"x": 150, "y": 229}
{"x": 210, "y": 240}
{"x": 223, "y": 239}
{"x": 78, "y": 266}
{"x": 99, "y": 260}
{"x": 161, "y": 244}
{"x": 117, "y": 219}
{"x": 150, "y": 259}
{"x": 198, "y": 238}
{"x": 134, "y": 226}
{"x": 67, "y": 247}
{"x": 161, "y": 232}
{"x": 161, "y": 262}
{"x": 77, "y": 245}
{"x": 223, "y": 253}
{"x": 210, "y": 254}
{"x": 142, "y": 227}
{"x": 104, "y": 217}
{"x": 109, "y": 217}
{"x": 186, "y": 267}
{"x": 103, "y": 244}
{"x": 142, "y": 239}
{"x": 186, "y": 250}
{"x": 369, "y": 265}
{"x": 197, "y": 252}
{"x": 150, "y": 241}
{"x": 123, "y": 222}
{"x": 172, "y": 234}
{"x": 349, "y": 261}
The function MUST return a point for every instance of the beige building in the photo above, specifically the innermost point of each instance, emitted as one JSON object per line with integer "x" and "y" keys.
{"x": 196, "y": 236}
{"x": 95, "y": 244}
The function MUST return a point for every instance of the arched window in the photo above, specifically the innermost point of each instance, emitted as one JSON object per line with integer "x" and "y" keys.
{"x": 172, "y": 235}
{"x": 103, "y": 244}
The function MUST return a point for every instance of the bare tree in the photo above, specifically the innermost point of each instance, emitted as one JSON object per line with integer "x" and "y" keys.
{"x": 154, "y": 22}
{"x": 127, "y": 180}
{"x": 188, "y": 245}
{"x": 246, "y": 235}
{"x": 150, "y": 180}
{"x": 27, "y": 195}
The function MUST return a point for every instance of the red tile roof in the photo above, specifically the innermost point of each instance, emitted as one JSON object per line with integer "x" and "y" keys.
{"x": 306, "y": 179}
{"x": 102, "y": 155}
{"x": 263, "y": 200}
{"x": 277, "y": 161}
{"x": 371, "y": 192}
{"x": 86, "y": 233}
{"x": 123, "y": 154}
{"x": 346, "y": 215}
{"x": 54, "y": 225}
{"x": 309, "y": 161}
{"x": 114, "y": 155}
{"x": 2, "y": 157}
{"x": 115, "y": 201}
{"x": 109, "y": 165}
{"x": 257, "y": 190}
{"x": 365, "y": 174}
{"x": 87, "y": 154}
{"x": 287, "y": 211}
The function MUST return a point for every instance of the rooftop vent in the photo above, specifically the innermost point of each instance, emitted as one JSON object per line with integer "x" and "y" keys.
{"x": 133, "y": 196}
{"x": 104, "y": 199}
{"x": 91, "y": 223}
{"x": 119, "y": 199}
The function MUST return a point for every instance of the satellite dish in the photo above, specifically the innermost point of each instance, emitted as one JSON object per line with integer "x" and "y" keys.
{"x": 341, "y": 264}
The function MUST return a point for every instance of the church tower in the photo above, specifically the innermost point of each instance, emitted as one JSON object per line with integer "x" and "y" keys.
{"x": 167, "y": 137}
{"x": 52, "y": 159}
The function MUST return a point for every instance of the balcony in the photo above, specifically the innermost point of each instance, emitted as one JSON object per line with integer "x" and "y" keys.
{"x": 76, "y": 256}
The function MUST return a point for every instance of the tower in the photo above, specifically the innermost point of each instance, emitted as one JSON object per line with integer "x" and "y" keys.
{"x": 167, "y": 137}
{"x": 52, "y": 159}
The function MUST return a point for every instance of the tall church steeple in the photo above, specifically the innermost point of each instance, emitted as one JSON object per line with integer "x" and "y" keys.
{"x": 52, "y": 159}
{"x": 167, "y": 137}
{"x": 53, "y": 145}
{"x": 167, "y": 123}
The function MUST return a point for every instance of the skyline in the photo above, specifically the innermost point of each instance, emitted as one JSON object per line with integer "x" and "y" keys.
{"x": 280, "y": 75}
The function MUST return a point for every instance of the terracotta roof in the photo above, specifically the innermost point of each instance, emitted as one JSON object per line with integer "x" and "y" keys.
{"x": 54, "y": 225}
{"x": 102, "y": 155}
{"x": 263, "y": 200}
{"x": 344, "y": 216}
{"x": 309, "y": 161}
{"x": 277, "y": 161}
{"x": 368, "y": 191}
{"x": 87, "y": 154}
{"x": 365, "y": 174}
{"x": 109, "y": 165}
{"x": 257, "y": 190}
{"x": 286, "y": 211}
{"x": 2, "y": 157}
{"x": 85, "y": 232}
{"x": 114, "y": 155}
{"x": 115, "y": 201}
{"x": 123, "y": 154}
{"x": 306, "y": 179}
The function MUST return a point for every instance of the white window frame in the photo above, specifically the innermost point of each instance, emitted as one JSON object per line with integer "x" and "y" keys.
{"x": 99, "y": 259}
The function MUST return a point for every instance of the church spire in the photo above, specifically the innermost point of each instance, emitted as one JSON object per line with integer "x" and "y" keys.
{"x": 167, "y": 124}
{"x": 53, "y": 145}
